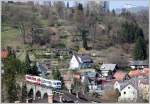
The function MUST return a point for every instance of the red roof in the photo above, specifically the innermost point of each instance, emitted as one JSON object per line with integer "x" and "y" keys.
{"x": 4, "y": 54}
{"x": 135, "y": 73}
{"x": 119, "y": 75}
{"x": 146, "y": 72}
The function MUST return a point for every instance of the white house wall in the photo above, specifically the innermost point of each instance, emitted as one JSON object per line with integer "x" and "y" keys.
{"x": 117, "y": 86}
{"x": 74, "y": 63}
{"x": 104, "y": 72}
{"x": 129, "y": 93}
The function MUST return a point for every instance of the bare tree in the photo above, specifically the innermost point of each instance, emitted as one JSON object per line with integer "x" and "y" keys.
{"x": 59, "y": 5}
{"x": 118, "y": 58}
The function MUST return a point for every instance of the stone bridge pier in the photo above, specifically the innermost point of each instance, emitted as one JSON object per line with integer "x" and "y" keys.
{"x": 38, "y": 92}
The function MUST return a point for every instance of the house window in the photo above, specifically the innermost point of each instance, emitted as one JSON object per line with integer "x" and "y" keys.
{"x": 128, "y": 87}
{"x": 124, "y": 92}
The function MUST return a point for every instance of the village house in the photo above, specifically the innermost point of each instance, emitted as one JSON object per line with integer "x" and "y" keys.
{"x": 91, "y": 78}
{"x": 120, "y": 75}
{"x": 47, "y": 65}
{"x": 139, "y": 73}
{"x": 139, "y": 64}
{"x": 128, "y": 90}
{"x": 128, "y": 94}
{"x": 42, "y": 70}
{"x": 80, "y": 62}
{"x": 105, "y": 68}
{"x": 144, "y": 89}
{"x": 68, "y": 79}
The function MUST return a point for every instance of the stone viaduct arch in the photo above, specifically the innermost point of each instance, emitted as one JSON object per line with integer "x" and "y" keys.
{"x": 37, "y": 91}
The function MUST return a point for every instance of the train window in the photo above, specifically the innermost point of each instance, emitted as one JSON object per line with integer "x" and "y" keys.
{"x": 50, "y": 83}
{"x": 28, "y": 77}
{"x": 33, "y": 78}
{"x": 43, "y": 81}
{"x": 55, "y": 83}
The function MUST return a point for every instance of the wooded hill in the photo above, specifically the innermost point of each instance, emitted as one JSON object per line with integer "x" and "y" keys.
{"x": 90, "y": 27}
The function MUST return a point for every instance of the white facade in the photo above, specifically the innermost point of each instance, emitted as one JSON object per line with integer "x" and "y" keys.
{"x": 105, "y": 68}
{"x": 74, "y": 64}
{"x": 128, "y": 94}
{"x": 132, "y": 67}
{"x": 105, "y": 72}
{"x": 117, "y": 86}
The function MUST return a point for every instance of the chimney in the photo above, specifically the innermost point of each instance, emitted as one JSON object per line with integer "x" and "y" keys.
{"x": 50, "y": 97}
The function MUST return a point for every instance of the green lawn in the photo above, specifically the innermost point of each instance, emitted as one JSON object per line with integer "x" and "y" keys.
{"x": 9, "y": 36}
{"x": 44, "y": 23}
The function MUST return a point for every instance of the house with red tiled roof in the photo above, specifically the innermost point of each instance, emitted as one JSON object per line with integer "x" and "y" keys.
{"x": 137, "y": 73}
{"x": 145, "y": 71}
{"x": 4, "y": 54}
{"x": 120, "y": 75}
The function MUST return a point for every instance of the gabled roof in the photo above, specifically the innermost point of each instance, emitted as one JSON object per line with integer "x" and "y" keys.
{"x": 108, "y": 67}
{"x": 89, "y": 74}
{"x": 146, "y": 71}
{"x": 84, "y": 58}
{"x": 136, "y": 73}
{"x": 133, "y": 82}
{"x": 139, "y": 63}
{"x": 77, "y": 58}
{"x": 145, "y": 81}
{"x": 119, "y": 75}
{"x": 41, "y": 68}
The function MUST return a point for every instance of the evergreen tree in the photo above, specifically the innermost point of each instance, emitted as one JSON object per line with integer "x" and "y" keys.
{"x": 84, "y": 37}
{"x": 10, "y": 70}
{"x": 12, "y": 90}
{"x": 130, "y": 32}
{"x": 77, "y": 87}
{"x": 24, "y": 93}
{"x": 27, "y": 64}
{"x": 139, "y": 52}
{"x": 80, "y": 7}
{"x": 34, "y": 70}
{"x": 56, "y": 74}
{"x": 67, "y": 4}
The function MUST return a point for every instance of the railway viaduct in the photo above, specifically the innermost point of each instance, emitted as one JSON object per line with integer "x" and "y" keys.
{"x": 39, "y": 92}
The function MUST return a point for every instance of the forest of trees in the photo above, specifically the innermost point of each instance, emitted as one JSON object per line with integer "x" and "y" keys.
{"x": 13, "y": 68}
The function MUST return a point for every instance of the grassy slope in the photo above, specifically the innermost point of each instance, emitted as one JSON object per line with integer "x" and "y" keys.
{"x": 9, "y": 36}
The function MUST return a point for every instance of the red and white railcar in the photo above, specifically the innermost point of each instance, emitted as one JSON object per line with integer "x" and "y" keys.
{"x": 33, "y": 79}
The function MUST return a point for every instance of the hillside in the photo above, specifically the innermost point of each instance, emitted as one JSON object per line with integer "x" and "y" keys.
{"x": 62, "y": 28}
